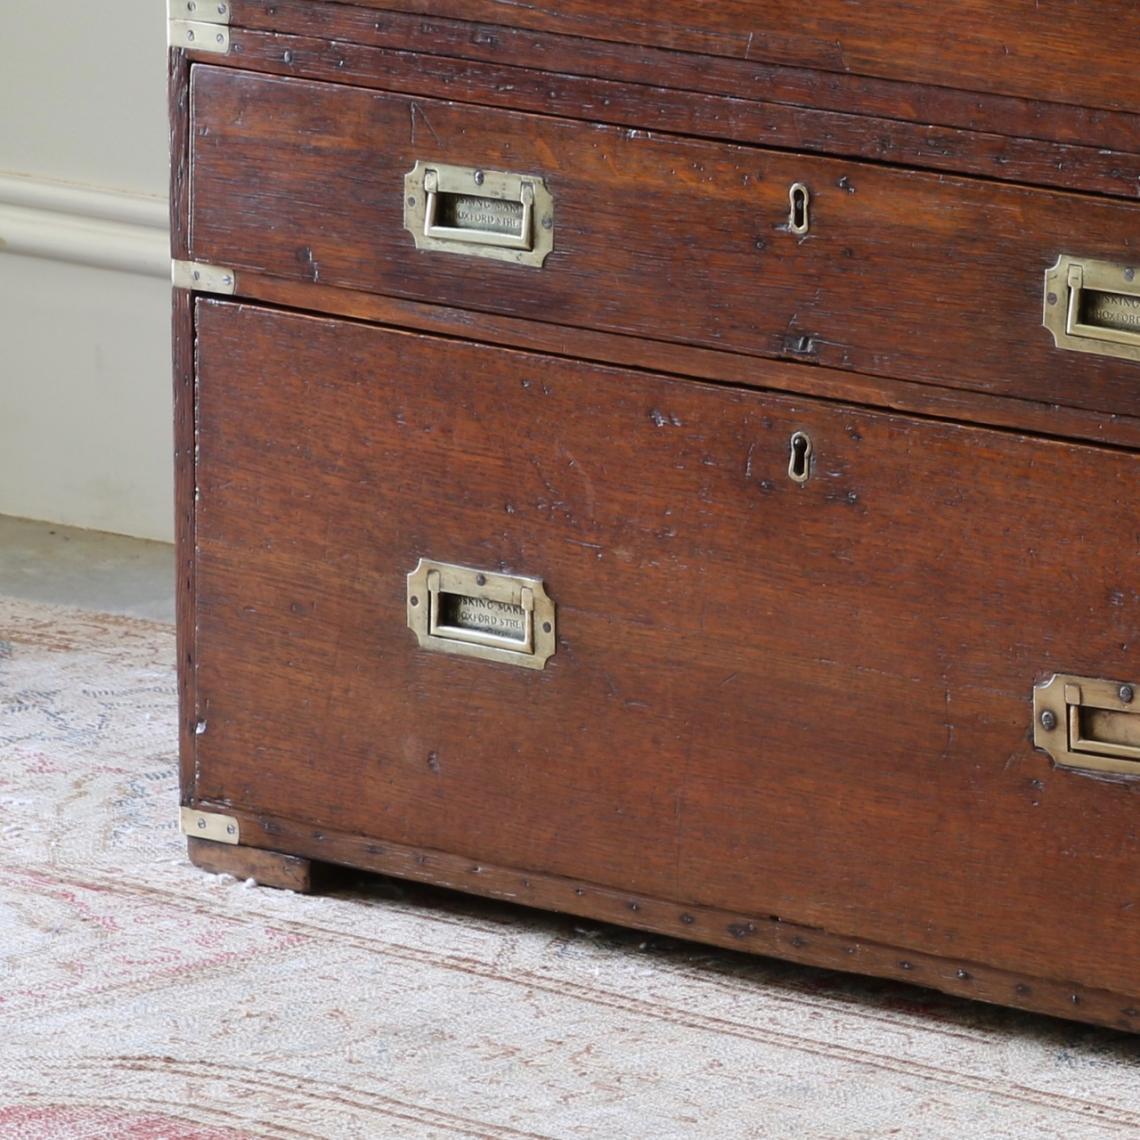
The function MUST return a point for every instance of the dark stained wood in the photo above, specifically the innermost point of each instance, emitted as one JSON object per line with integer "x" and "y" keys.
{"x": 794, "y": 720}
{"x": 904, "y": 275}
{"x": 266, "y": 868}
{"x": 1038, "y": 49}
{"x": 701, "y": 363}
{"x": 768, "y": 700}
{"x": 1105, "y": 170}
{"x": 182, "y": 360}
{"x": 178, "y": 98}
{"x": 182, "y": 325}
{"x": 561, "y": 57}
{"x": 763, "y": 934}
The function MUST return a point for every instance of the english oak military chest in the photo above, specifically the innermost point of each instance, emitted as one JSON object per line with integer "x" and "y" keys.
{"x": 673, "y": 463}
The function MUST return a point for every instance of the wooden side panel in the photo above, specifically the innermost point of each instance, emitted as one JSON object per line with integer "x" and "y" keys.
{"x": 1037, "y": 49}
{"x": 903, "y": 275}
{"x": 810, "y": 702}
{"x": 182, "y": 370}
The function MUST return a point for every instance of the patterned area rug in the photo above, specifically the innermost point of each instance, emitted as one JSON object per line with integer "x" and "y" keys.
{"x": 142, "y": 998}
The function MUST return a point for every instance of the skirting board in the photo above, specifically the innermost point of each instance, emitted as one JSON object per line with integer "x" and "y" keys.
{"x": 84, "y": 226}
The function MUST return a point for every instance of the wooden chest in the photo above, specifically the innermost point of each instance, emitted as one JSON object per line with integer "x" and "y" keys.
{"x": 676, "y": 464}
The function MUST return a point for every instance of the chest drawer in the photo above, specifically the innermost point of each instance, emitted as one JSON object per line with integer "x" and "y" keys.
{"x": 876, "y": 270}
{"x": 778, "y": 687}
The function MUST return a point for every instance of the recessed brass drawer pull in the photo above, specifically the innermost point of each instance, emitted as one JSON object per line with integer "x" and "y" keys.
{"x": 1093, "y": 306}
{"x": 480, "y": 613}
{"x": 483, "y": 213}
{"x": 1086, "y": 722}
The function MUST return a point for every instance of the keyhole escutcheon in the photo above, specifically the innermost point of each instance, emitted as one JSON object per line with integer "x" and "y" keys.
{"x": 799, "y": 464}
{"x": 799, "y": 221}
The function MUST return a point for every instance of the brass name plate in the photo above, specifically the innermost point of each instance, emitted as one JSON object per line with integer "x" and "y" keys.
{"x": 488, "y": 215}
{"x": 481, "y": 613}
{"x": 482, "y": 213}
{"x": 1112, "y": 311}
{"x": 1088, "y": 722}
{"x": 1093, "y": 306}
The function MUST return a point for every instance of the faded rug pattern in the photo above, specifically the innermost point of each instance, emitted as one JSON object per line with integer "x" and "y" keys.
{"x": 143, "y": 999}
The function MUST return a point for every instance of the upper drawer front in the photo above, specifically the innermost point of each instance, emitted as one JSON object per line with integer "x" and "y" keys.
{"x": 905, "y": 275}
{"x": 1087, "y": 54}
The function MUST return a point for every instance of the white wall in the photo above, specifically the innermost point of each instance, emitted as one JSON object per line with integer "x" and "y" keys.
{"x": 85, "y": 434}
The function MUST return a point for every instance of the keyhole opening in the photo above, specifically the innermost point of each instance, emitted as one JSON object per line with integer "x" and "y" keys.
{"x": 798, "y": 220}
{"x": 799, "y": 465}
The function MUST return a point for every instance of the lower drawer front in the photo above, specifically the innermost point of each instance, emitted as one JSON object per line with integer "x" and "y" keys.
{"x": 805, "y": 699}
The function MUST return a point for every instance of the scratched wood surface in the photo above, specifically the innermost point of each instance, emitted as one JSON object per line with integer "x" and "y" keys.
{"x": 330, "y": 850}
{"x": 885, "y": 106}
{"x": 1037, "y": 49}
{"x": 1031, "y": 416}
{"x": 903, "y": 275}
{"x": 769, "y": 118}
{"x": 804, "y": 701}
{"x": 182, "y": 386}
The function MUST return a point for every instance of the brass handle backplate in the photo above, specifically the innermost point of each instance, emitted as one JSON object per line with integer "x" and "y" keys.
{"x": 1093, "y": 306}
{"x": 1087, "y": 722}
{"x": 481, "y": 213}
{"x": 481, "y": 613}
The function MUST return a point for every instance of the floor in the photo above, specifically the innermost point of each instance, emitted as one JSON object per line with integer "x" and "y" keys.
{"x": 143, "y": 998}
{"x": 44, "y": 562}
{"x": 532, "y": 1024}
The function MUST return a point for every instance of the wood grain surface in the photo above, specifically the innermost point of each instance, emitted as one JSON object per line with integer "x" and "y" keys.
{"x": 560, "y": 57}
{"x": 930, "y": 400}
{"x": 806, "y": 702}
{"x": 904, "y": 275}
{"x": 183, "y": 386}
{"x": 753, "y": 933}
{"x": 852, "y": 131}
{"x": 1036, "y": 49}
{"x": 266, "y": 868}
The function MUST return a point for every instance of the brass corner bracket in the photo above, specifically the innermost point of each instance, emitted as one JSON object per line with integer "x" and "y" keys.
{"x": 210, "y": 825}
{"x": 199, "y": 25}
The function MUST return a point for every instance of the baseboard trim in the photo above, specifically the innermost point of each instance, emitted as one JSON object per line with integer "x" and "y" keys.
{"x": 82, "y": 225}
